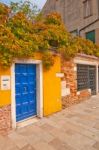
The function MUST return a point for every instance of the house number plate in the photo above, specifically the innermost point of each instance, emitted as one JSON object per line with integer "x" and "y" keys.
{"x": 5, "y": 83}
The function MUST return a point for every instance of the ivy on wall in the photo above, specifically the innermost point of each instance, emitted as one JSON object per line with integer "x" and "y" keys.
{"x": 22, "y": 35}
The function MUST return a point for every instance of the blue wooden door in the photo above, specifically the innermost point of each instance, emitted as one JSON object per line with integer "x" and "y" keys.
{"x": 25, "y": 91}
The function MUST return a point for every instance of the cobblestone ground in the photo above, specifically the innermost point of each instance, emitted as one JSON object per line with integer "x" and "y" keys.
{"x": 75, "y": 128}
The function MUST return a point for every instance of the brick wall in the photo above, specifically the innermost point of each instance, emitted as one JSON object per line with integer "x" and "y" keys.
{"x": 70, "y": 76}
{"x": 5, "y": 119}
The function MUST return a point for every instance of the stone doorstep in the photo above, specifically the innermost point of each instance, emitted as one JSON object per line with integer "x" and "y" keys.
{"x": 27, "y": 122}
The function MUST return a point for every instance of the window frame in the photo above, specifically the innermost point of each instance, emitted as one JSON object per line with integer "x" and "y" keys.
{"x": 80, "y": 84}
{"x": 91, "y": 32}
{"x": 85, "y": 9}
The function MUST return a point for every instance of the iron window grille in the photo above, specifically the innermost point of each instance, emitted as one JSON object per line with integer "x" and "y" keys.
{"x": 86, "y": 78}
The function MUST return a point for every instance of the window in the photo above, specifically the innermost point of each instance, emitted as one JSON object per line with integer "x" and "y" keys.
{"x": 87, "y": 8}
{"x": 82, "y": 77}
{"x": 91, "y": 36}
{"x": 86, "y": 78}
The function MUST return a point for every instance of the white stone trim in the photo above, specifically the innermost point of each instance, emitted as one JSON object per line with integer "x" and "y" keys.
{"x": 13, "y": 111}
{"x": 84, "y": 62}
{"x": 78, "y": 92}
{"x": 39, "y": 88}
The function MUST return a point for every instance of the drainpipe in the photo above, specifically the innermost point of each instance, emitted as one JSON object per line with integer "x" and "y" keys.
{"x": 55, "y": 7}
{"x": 64, "y": 11}
{"x": 97, "y": 79}
{"x": 78, "y": 31}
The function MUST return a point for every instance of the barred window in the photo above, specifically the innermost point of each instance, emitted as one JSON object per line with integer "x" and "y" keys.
{"x": 82, "y": 77}
{"x": 86, "y": 78}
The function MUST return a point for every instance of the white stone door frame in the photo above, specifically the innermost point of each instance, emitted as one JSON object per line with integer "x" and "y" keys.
{"x": 39, "y": 78}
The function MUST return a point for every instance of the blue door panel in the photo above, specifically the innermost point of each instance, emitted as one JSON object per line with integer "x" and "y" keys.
{"x": 31, "y": 69}
{"x": 23, "y": 68}
{"x": 18, "y": 90}
{"x": 17, "y": 79}
{"x": 24, "y": 79}
{"x": 18, "y": 111}
{"x": 25, "y": 86}
{"x": 30, "y": 78}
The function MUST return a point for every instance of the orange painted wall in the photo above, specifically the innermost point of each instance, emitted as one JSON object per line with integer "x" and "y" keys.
{"x": 5, "y": 95}
{"x": 52, "y": 89}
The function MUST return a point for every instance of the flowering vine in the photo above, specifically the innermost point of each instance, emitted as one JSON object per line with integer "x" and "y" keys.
{"x": 22, "y": 36}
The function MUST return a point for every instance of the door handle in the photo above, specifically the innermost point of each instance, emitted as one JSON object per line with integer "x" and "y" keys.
{"x": 25, "y": 89}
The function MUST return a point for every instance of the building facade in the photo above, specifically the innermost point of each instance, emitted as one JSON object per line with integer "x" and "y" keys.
{"x": 28, "y": 91}
{"x": 80, "y": 17}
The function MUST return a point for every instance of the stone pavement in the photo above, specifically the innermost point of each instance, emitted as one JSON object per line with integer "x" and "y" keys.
{"x": 75, "y": 128}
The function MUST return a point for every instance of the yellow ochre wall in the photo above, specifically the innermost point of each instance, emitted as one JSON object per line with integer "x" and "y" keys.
{"x": 5, "y": 96}
{"x": 51, "y": 88}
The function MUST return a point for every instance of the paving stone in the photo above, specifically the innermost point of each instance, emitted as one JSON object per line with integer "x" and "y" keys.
{"x": 19, "y": 140}
{"x": 70, "y": 132}
{"x": 46, "y": 127}
{"x": 96, "y": 145}
{"x": 28, "y": 147}
{"x": 41, "y": 136}
{"x": 59, "y": 145}
{"x": 43, "y": 146}
{"x": 88, "y": 148}
{"x": 97, "y": 126}
{"x": 71, "y": 129}
{"x": 14, "y": 148}
{"x": 29, "y": 130}
{"x": 88, "y": 110}
{"x": 6, "y": 143}
{"x": 74, "y": 128}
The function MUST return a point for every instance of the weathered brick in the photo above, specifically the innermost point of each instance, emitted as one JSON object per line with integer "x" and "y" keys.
{"x": 70, "y": 76}
{"x": 5, "y": 119}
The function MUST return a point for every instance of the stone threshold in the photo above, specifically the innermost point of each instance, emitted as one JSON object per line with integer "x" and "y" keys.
{"x": 27, "y": 122}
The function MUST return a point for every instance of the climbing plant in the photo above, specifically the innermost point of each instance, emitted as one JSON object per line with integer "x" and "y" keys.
{"x": 24, "y": 32}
